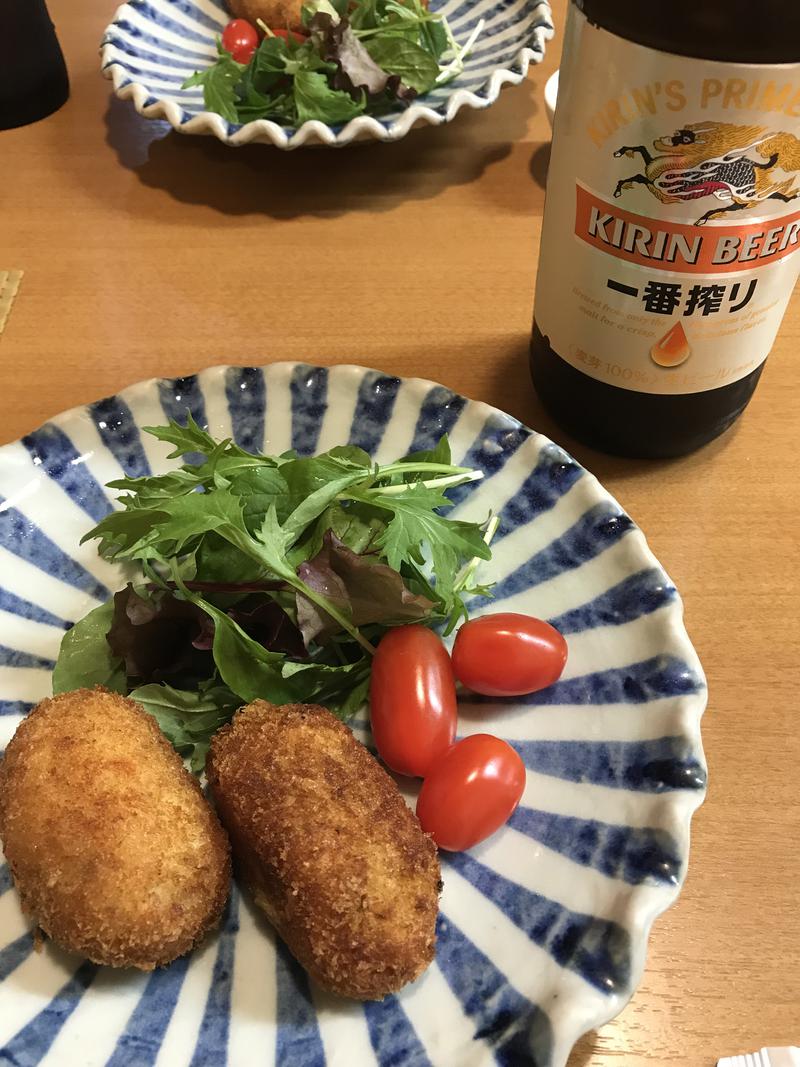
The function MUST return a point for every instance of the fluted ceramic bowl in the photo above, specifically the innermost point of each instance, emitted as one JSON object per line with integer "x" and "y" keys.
{"x": 543, "y": 927}
{"x": 152, "y": 46}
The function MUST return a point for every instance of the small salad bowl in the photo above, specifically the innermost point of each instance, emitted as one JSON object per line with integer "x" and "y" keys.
{"x": 153, "y": 46}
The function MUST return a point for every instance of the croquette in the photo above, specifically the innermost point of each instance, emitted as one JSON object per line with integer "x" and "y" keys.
{"x": 276, "y": 14}
{"x": 328, "y": 847}
{"x": 116, "y": 853}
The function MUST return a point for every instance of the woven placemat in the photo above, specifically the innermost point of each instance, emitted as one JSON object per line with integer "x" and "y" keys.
{"x": 9, "y": 284}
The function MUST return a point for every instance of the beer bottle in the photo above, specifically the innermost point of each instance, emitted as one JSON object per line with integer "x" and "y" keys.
{"x": 672, "y": 218}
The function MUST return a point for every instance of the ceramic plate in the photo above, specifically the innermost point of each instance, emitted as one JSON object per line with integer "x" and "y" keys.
{"x": 152, "y": 46}
{"x": 543, "y": 927}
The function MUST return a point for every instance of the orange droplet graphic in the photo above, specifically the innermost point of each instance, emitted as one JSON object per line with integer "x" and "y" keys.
{"x": 673, "y": 348}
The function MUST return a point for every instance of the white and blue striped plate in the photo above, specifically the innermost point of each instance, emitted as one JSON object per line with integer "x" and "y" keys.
{"x": 152, "y": 46}
{"x": 543, "y": 928}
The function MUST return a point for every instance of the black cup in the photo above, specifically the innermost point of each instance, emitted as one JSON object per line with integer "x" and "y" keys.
{"x": 33, "y": 75}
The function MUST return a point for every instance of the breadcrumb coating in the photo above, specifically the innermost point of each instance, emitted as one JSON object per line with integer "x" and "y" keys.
{"x": 276, "y": 14}
{"x": 329, "y": 848}
{"x": 116, "y": 853}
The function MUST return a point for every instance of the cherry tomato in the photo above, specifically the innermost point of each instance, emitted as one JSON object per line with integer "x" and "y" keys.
{"x": 412, "y": 699}
{"x": 286, "y": 34}
{"x": 470, "y": 792}
{"x": 507, "y": 654}
{"x": 240, "y": 39}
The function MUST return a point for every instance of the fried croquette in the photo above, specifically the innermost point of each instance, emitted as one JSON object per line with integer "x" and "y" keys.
{"x": 328, "y": 847}
{"x": 276, "y": 14}
{"x": 116, "y": 853}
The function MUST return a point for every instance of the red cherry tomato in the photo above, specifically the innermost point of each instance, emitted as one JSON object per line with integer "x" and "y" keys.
{"x": 470, "y": 792}
{"x": 286, "y": 34}
{"x": 412, "y": 699}
{"x": 240, "y": 39}
{"x": 507, "y": 654}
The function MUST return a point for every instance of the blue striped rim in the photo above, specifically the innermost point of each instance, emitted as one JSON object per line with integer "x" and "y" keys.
{"x": 640, "y": 594}
{"x": 192, "y": 98}
{"x": 118, "y": 430}
{"x": 637, "y": 766}
{"x": 12, "y": 955}
{"x": 637, "y": 683}
{"x": 309, "y": 389}
{"x": 596, "y": 530}
{"x": 501, "y": 53}
{"x": 377, "y": 394}
{"x": 158, "y": 18}
{"x": 492, "y": 52}
{"x": 465, "y": 7}
{"x": 26, "y": 541}
{"x": 298, "y": 1038}
{"x": 518, "y": 1031}
{"x": 185, "y": 65}
{"x": 172, "y": 81}
{"x": 181, "y": 397}
{"x": 392, "y": 1036}
{"x": 14, "y": 707}
{"x": 632, "y": 854}
{"x": 53, "y": 452}
{"x": 29, "y": 1047}
{"x": 140, "y": 1042}
{"x": 203, "y": 58}
{"x": 597, "y": 950}
{"x": 24, "y": 609}
{"x": 438, "y": 414}
{"x": 14, "y": 657}
{"x": 498, "y": 441}
{"x": 527, "y": 1045}
{"x": 212, "y": 1041}
{"x": 6, "y": 881}
{"x": 191, "y": 11}
{"x": 554, "y": 475}
{"x": 246, "y": 393}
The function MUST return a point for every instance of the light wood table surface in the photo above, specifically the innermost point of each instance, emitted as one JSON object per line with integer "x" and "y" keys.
{"x": 146, "y": 253}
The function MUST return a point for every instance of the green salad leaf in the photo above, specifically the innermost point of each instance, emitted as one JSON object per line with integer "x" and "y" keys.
{"x": 247, "y": 668}
{"x": 85, "y": 658}
{"x": 364, "y": 589}
{"x": 269, "y": 577}
{"x": 415, "y": 64}
{"x": 219, "y": 82}
{"x": 188, "y": 719}
{"x": 315, "y": 99}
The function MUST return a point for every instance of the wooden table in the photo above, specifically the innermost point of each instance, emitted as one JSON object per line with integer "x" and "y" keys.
{"x": 146, "y": 253}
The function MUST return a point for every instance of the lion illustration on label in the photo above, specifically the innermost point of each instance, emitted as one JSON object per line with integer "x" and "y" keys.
{"x": 739, "y": 165}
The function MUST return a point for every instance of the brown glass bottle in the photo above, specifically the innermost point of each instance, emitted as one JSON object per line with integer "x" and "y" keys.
{"x": 605, "y": 415}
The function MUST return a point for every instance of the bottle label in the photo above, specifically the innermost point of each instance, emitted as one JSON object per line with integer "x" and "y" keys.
{"x": 670, "y": 237}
